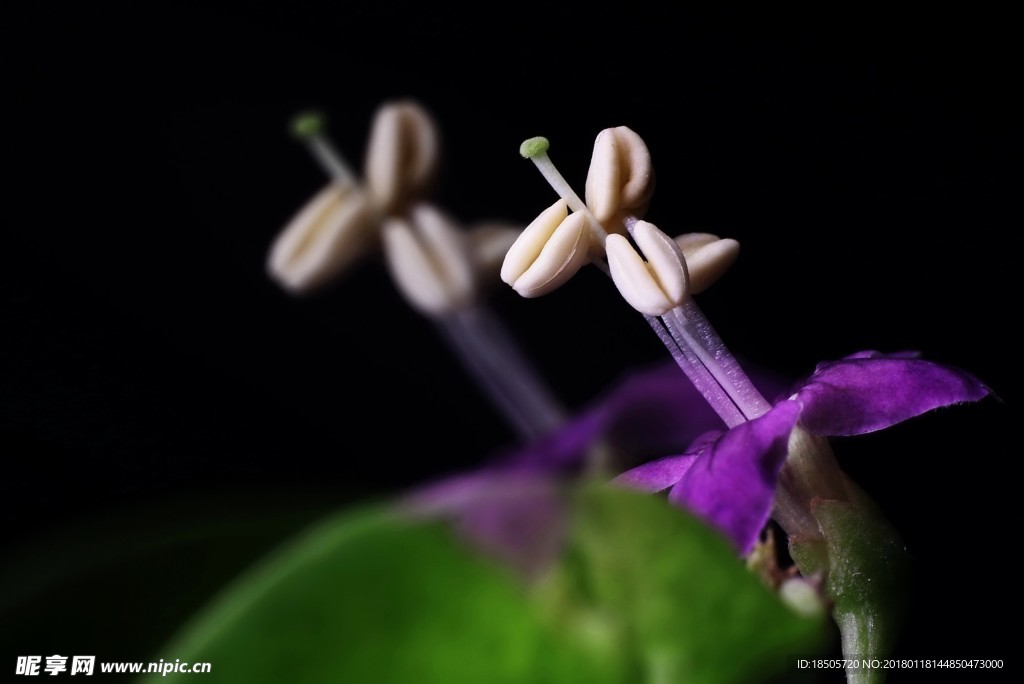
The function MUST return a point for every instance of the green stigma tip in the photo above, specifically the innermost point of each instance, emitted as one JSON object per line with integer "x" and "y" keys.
{"x": 534, "y": 147}
{"x": 308, "y": 124}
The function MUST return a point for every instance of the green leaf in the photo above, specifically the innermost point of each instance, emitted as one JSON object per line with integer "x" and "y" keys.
{"x": 643, "y": 593}
{"x": 368, "y": 597}
{"x": 690, "y": 609}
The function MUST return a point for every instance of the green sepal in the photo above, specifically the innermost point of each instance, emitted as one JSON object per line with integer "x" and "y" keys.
{"x": 866, "y": 567}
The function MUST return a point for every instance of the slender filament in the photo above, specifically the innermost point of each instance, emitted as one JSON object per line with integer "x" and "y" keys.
{"x": 493, "y": 358}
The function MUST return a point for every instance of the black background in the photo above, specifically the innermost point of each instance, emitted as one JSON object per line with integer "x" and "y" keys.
{"x": 154, "y": 382}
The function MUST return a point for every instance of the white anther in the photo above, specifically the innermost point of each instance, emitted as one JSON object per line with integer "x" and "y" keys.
{"x": 708, "y": 257}
{"x": 653, "y": 287}
{"x": 621, "y": 176}
{"x": 429, "y": 260}
{"x": 401, "y": 156}
{"x": 548, "y": 252}
{"x": 488, "y": 244}
{"x": 690, "y": 242}
{"x": 326, "y": 235}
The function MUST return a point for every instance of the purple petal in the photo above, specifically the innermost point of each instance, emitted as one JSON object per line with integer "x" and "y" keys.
{"x": 520, "y": 522}
{"x": 863, "y": 394}
{"x": 657, "y": 411}
{"x": 518, "y": 518}
{"x": 654, "y": 411}
{"x": 449, "y": 495}
{"x": 732, "y": 484}
{"x": 665, "y": 472}
{"x": 563, "y": 450}
{"x": 650, "y": 412}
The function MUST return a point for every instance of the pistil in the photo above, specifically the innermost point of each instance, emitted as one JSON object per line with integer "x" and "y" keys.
{"x": 536, "y": 150}
{"x": 309, "y": 127}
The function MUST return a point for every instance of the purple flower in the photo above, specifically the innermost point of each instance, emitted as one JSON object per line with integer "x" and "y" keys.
{"x": 729, "y": 478}
{"x": 511, "y": 508}
{"x": 773, "y": 459}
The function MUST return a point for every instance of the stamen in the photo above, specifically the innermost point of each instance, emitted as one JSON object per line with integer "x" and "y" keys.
{"x": 435, "y": 266}
{"x": 684, "y": 330}
{"x": 489, "y": 243}
{"x": 548, "y": 252}
{"x": 643, "y": 285}
{"x": 691, "y": 365}
{"x": 654, "y": 286}
{"x": 692, "y": 331}
{"x": 717, "y": 366}
{"x": 708, "y": 257}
